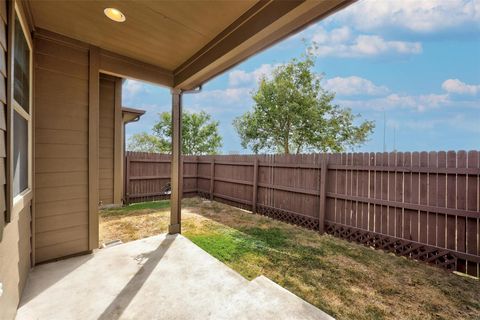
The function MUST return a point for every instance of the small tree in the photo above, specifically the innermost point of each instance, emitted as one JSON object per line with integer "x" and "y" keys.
{"x": 199, "y": 135}
{"x": 145, "y": 142}
{"x": 293, "y": 114}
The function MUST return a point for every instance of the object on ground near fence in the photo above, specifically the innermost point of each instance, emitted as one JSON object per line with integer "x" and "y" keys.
{"x": 421, "y": 205}
{"x": 147, "y": 176}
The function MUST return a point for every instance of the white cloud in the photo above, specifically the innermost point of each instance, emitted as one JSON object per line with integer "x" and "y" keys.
{"x": 341, "y": 43}
{"x": 459, "y": 87}
{"x": 423, "y": 16}
{"x": 394, "y": 101}
{"x": 432, "y": 100}
{"x": 237, "y": 78}
{"x": 455, "y": 121}
{"x": 236, "y": 97}
{"x": 151, "y": 108}
{"x": 419, "y": 103}
{"x": 228, "y": 95}
{"x": 338, "y": 35}
{"x": 220, "y": 100}
{"x": 354, "y": 85}
{"x": 132, "y": 87}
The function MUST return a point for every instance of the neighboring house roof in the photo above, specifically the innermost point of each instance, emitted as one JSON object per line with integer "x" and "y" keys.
{"x": 131, "y": 114}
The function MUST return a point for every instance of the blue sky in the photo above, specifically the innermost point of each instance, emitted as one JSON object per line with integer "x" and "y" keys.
{"x": 417, "y": 62}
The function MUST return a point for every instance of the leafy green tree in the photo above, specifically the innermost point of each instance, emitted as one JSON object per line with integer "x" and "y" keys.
{"x": 145, "y": 142}
{"x": 199, "y": 134}
{"x": 294, "y": 114}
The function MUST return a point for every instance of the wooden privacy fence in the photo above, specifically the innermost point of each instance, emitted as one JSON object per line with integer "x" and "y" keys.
{"x": 147, "y": 176}
{"x": 424, "y": 206}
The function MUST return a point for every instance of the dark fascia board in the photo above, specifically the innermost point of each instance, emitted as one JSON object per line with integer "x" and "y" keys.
{"x": 263, "y": 25}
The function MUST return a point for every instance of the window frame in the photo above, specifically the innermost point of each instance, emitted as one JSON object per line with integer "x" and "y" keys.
{"x": 17, "y": 203}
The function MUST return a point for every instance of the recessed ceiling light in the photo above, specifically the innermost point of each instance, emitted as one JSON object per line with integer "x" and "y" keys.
{"x": 114, "y": 14}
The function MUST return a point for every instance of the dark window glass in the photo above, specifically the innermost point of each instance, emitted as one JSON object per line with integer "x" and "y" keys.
{"x": 21, "y": 71}
{"x": 20, "y": 154}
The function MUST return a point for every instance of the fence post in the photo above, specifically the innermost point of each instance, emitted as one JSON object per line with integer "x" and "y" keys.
{"x": 182, "y": 160}
{"x": 323, "y": 183}
{"x": 212, "y": 177}
{"x": 255, "y": 185}
{"x": 127, "y": 179}
{"x": 196, "y": 175}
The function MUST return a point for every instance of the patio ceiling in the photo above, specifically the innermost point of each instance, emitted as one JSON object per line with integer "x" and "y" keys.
{"x": 189, "y": 41}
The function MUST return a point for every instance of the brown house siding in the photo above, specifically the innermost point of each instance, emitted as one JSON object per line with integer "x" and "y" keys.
{"x": 3, "y": 102}
{"x": 14, "y": 262}
{"x": 106, "y": 136}
{"x": 61, "y": 148}
{"x": 14, "y": 235}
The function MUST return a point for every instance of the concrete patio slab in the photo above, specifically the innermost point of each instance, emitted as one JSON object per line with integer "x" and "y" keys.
{"x": 161, "y": 277}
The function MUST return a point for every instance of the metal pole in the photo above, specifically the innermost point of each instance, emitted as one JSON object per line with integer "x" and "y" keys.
{"x": 176, "y": 166}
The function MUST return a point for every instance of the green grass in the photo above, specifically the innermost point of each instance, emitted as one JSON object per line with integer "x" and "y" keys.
{"x": 346, "y": 280}
{"x": 232, "y": 245}
{"x": 136, "y": 207}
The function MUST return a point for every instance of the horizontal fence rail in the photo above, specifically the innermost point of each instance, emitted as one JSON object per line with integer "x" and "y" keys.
{"x": 147, "y": 176}
{"x": 422, "y": 205}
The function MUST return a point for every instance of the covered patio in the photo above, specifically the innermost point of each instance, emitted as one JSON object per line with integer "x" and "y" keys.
{"x": 161, "y": 277}
{"x": 60, "y": 135}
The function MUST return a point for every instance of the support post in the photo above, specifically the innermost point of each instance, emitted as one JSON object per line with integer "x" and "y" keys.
{"x": 93, "y": 142}
{"x": 255, "y": 185}
{"x": 323, "y": 184}
{"x": 196, "y": 175}
{"x": 212, "y": 177}
{"x": 117, "y": 145}
{"x": 176, "y": 166}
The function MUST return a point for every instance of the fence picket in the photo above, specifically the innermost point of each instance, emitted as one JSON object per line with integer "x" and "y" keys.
{"x": 461, "y": 204}
{"x": 391, "y": 219}
{"x": 423, "y": 198}
{"x": 432, "y": 223}
{"x": 473, "y": 225}
{"x": 441, "y": 201}
{"x": 399, "y": 194}
{"x": 255, "y": 186}
{"x": 451, "y": 200}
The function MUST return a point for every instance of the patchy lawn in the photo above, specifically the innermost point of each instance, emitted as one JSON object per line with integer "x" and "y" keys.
{"x": 346, "y": 280}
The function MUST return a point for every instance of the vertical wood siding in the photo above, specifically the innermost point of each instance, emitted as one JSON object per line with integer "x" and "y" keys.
{"x": 61, "y": 148}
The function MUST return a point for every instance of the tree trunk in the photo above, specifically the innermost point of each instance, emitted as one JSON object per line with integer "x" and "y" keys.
{"x": 299, "y": 148}
{"x": 286, "y": 147}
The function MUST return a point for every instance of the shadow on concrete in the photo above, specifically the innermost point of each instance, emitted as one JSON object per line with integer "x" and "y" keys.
{"x": 56, "y": 271}
{"x": 125, "y": 297}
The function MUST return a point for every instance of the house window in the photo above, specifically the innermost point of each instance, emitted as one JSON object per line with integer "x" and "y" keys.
{"x": 20, "y": 154}
{"x": 21, "y": 73}
{"x": 21, "y": 113}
